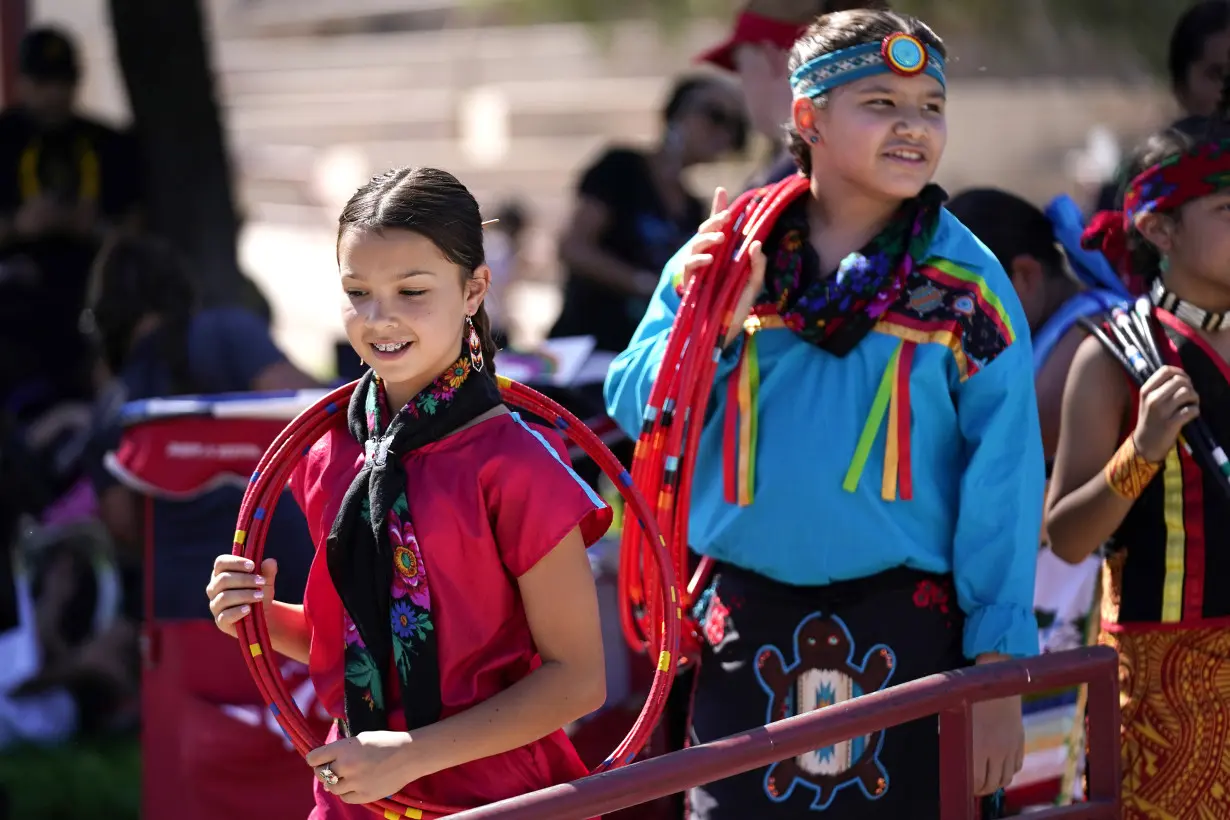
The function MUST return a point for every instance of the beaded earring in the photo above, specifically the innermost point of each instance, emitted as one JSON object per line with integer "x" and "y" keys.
{"x": 476, "y": 346}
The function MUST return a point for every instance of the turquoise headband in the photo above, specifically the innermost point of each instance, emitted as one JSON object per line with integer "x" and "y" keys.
{"x": 898, "y": 53}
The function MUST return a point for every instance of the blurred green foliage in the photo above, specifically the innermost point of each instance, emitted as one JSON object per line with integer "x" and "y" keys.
{"x": 85, "y": 778}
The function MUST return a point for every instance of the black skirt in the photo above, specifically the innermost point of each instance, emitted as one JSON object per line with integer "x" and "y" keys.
{"x": 772, "y": 651}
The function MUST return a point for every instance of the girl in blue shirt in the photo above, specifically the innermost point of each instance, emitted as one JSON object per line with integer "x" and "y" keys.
{"x": 882, "y": 523}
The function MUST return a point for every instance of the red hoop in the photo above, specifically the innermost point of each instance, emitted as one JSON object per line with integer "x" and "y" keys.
{"x": 261, "y": 497}
{"x": 662, "y": 465}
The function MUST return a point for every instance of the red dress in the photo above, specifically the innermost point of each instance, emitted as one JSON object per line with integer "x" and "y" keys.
{"x": 487, "y": 504}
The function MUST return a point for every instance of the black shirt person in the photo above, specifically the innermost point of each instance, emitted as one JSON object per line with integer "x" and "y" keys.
{"x": 633, "y": 212}
{"x": 65, "y": 180}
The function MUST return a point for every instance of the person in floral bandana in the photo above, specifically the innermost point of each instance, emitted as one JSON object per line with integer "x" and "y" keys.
{"x": 1137, "y": 472}
{"x": 450, "y": 621}
{"x": 881, "y": 523}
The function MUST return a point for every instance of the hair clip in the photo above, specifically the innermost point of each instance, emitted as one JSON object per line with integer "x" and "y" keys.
{"x": 487, "y": 222}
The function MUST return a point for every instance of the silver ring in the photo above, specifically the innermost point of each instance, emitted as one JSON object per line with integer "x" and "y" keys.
{"x": 327, "y": 776}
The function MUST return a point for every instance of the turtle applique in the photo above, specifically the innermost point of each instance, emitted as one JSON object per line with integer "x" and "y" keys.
{"x": 823, "y": 673}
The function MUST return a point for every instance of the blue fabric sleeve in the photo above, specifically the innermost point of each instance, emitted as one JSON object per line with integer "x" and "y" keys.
{"x": 999, "y": 524}
{"x": 229, "y": 348}
{"x": 631, "y": 376}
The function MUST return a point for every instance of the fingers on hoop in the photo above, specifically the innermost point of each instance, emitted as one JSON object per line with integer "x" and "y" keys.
{"x": 232, "y": 563}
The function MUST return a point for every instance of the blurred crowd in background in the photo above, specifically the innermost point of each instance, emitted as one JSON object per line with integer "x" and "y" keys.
{"x": 596, "y": 151}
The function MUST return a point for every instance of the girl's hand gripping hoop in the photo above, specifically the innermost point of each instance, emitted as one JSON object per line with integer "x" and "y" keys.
{"x": 266, "y": 486}
{"x": 665, "y": 455}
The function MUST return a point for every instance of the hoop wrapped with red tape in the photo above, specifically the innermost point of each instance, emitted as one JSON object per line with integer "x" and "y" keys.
{"x": 262, "y": 496}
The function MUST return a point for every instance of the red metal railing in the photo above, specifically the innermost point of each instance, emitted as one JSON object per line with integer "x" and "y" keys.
{"x": 949, "y": 695}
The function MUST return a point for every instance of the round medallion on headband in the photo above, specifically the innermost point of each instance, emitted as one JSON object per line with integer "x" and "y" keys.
{"x": 904, "y": 54}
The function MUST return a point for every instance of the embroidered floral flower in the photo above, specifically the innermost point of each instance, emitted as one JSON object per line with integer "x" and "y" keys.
{"x": 404, "y": 619}
{"x": 411, "y": 578}
{"x": 409, "y": 622}
{"x": 854, "y": 265}
{"x": 407, "y": 564}
{"x": 930, "y": 595}
{"x": 715, "y": 621}
{"x": 353, "y": 638}
{"x": 457, "y": 373}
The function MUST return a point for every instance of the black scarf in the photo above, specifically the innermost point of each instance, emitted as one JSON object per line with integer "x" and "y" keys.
{"x": 374, "y": 558}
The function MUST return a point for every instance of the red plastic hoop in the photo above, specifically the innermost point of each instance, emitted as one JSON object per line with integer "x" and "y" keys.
{"x": 670, "y": 431}
{"x": 265, "y": 489}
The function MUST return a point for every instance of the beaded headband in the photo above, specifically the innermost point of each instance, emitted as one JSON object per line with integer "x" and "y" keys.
{"x": 899, "y": 53}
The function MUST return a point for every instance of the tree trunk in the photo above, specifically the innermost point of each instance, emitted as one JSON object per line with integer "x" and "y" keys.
{"x": 164, "y": 56}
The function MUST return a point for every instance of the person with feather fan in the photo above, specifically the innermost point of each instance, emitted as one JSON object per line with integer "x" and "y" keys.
{"x": 1141, "y": 468}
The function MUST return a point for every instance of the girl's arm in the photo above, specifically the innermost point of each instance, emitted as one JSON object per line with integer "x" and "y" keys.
{"x": 561, "y": 604}
{"x": 288, "y": 631}
{"x": 999, "y": 520}
{"x": 1083, "y": 511}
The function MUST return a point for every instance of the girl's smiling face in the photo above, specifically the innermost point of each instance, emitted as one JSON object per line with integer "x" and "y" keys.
{"x": 884, "y": 134}
{"x": 406, "y": 306}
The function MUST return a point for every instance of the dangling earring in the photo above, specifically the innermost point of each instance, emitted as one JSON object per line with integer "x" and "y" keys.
{"x": 1163, "y": 265}
{"x": 476, "y": 346}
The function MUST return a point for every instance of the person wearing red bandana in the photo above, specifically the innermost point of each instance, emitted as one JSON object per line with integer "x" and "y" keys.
{"x": 1153, "y": 484}
{"x": 1196, "y": 60}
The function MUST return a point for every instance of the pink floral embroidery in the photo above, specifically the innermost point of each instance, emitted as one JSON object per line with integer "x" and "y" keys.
{"x": 411, "y": 578}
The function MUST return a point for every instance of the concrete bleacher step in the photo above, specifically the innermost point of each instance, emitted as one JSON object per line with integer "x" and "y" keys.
{"x": 399, "y": 97}
{"x": 282, "y": 15}
{"x": 415, "y": 114}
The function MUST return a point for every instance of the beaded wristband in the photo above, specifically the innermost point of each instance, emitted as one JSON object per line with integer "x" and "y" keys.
{"x": 1128, "y": 472}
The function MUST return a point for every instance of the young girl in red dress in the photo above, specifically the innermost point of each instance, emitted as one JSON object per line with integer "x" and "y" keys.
{"x": 450, "y": 620}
